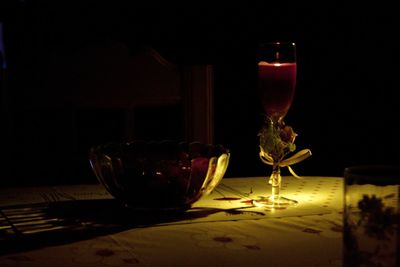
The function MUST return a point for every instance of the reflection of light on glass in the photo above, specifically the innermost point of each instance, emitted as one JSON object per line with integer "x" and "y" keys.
{"x": 277, "y": 56}
{"x": 264, "y": 63}
{"x": 316, "y": 203}
{"x": 316, "y": 197}
{"x": 216, "y": 171}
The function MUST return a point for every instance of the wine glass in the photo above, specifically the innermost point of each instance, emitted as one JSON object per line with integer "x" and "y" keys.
{"x": 276, "y": 88}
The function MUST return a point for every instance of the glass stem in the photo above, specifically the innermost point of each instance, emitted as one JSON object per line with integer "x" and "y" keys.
{"x": 275, "y": 181}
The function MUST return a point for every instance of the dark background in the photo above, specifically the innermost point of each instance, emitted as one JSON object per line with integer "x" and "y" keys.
{"x": 345, "y": 108}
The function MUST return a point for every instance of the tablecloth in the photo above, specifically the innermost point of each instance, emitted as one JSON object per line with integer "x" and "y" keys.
{"x": 220, "y": 229}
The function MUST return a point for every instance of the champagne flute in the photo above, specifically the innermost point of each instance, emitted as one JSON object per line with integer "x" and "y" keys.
{"x": 276, "y": 87}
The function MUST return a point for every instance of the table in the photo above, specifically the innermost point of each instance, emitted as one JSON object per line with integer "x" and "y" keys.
{"x": 220, "y": 229}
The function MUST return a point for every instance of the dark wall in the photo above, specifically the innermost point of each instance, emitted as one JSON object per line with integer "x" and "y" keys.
{"x": 345, "y": 108}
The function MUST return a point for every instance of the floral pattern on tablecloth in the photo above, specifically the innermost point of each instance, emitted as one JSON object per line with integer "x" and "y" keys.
{"x": 228, "y": 240}
{"x": 313, "y": 239}
{"x": 105, "y": 251}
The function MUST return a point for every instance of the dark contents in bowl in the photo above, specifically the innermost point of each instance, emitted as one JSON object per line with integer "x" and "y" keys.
{"x": 159, "y": 175}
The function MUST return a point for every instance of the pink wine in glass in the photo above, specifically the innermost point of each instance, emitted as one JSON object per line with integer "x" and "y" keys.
{"x": 276, "y": 85}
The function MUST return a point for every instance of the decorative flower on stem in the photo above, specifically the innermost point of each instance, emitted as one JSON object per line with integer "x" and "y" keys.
{"x": 276, "y": 142}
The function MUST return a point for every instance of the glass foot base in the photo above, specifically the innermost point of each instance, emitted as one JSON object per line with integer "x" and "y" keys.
{"x": 281, "y": 202}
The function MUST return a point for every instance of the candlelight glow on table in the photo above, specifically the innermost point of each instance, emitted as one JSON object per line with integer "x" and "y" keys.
{"x": 277, "y": 69}
{"x": 222, "y": 225}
